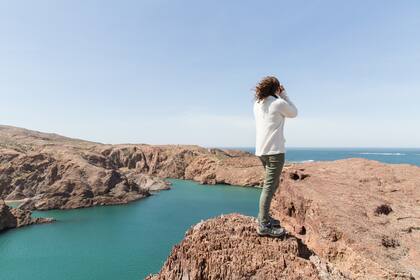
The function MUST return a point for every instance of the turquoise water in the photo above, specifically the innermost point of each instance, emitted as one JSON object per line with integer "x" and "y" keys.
{"x": 387, "y": 155}
{"x": 116, "y": 242}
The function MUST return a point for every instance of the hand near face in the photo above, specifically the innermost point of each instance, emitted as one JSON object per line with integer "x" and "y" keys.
{"x": 281, "y": 89}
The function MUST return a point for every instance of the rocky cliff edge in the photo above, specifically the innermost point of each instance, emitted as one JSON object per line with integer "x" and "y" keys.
{"x": 347, "y": 219}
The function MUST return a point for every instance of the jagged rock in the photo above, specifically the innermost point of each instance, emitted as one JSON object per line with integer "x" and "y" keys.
{"x": 14, "y": 218}
{"x": 7, "y": 220}
{"x": 228, "y": 247}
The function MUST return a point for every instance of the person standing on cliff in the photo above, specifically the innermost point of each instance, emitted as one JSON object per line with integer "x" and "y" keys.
{"x": 271, "y": 107}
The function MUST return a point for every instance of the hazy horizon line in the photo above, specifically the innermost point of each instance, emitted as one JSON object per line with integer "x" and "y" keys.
{"x": 315, "y": 147}
{"x": 208, "y": 146}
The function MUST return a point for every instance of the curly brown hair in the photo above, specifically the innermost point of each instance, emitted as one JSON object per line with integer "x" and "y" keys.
{"x": 268, "y": 86}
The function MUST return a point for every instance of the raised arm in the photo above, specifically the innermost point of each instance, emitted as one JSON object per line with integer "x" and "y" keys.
{"x": 285, "y": 106}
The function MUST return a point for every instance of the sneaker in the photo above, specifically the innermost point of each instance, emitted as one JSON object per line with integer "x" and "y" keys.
{"x": 269, "y": 230}
{"x": 274, "y": 222}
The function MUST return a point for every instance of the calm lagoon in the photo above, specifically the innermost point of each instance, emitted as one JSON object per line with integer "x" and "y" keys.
{"x": 121, "y": 242}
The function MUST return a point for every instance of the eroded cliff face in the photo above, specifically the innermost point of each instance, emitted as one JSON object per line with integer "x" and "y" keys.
{"x": 356, "y": 219}
{"x": 55, "y": 172}
{"x": 14, "y": 218}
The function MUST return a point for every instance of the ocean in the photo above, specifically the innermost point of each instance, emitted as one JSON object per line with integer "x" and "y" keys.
{"x": 387, "y": 155}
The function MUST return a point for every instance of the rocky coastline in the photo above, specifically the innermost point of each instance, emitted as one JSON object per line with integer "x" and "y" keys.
{"x": 347, "y": 219}
{"x": 50, "y": 171}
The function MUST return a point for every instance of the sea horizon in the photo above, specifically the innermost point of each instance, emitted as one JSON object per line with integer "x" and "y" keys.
{"x": 314, "y": 148}
{"x": 385, "y": 155}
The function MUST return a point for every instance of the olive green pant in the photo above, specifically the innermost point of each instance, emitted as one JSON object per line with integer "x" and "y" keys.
{"x": 273, "y": 165}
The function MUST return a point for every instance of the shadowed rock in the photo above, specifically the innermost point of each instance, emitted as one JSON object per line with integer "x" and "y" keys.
{"x": 14, "y": 218}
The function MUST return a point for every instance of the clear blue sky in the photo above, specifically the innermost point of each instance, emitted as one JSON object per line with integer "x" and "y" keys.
{"x": 182, "y": 71}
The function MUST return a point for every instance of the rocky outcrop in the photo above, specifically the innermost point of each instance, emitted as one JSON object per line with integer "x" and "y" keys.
{"x": 228, "y": 247}
{"x": 15, "y": 218}
{"x": 7, "y": 220}
{"x": 56, "y": 172}
{"x": 348, "y": 219}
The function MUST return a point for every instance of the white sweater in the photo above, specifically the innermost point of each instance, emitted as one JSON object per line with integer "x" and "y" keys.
{"x": 270, "y": 115}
